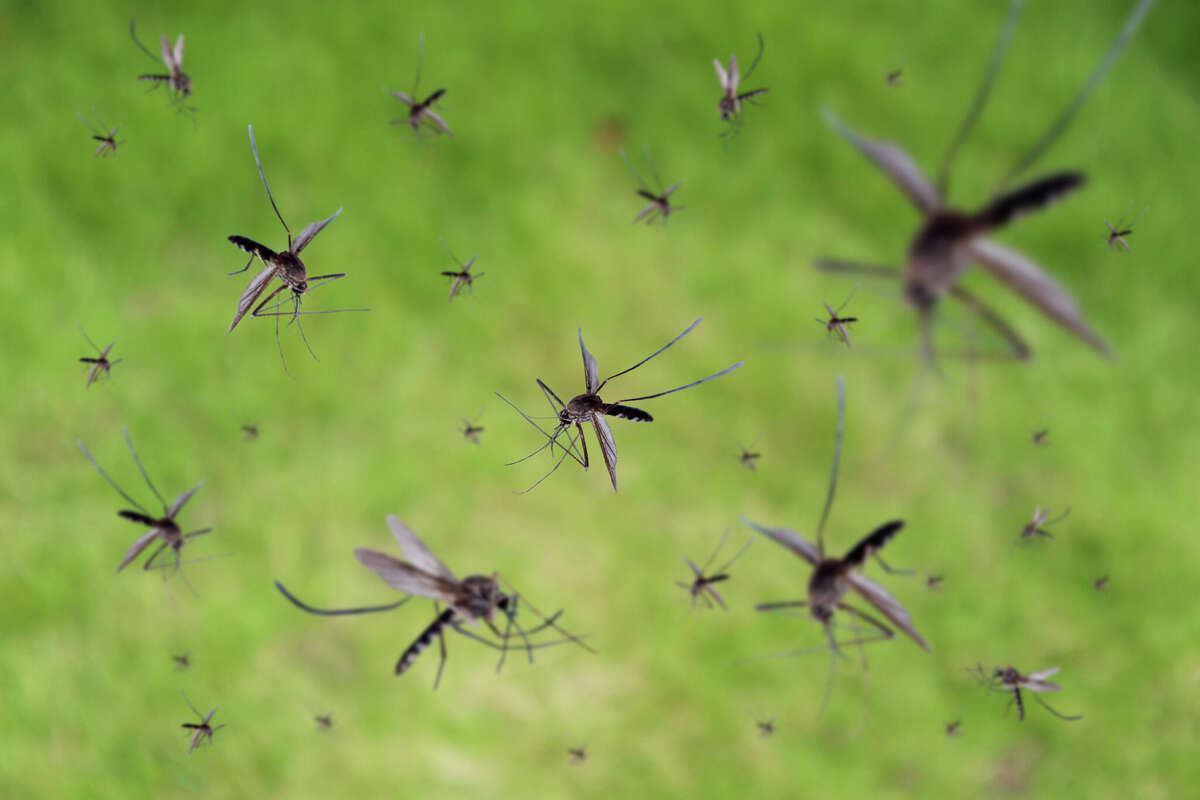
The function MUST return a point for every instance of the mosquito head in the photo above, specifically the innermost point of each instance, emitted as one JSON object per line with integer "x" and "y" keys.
{"x": 821, "y": 613}
{"x": 919, "y": 295}
{"x": 182, "y": 84}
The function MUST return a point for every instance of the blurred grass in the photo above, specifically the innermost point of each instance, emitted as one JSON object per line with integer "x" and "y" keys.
{"x": 540, "y": 97}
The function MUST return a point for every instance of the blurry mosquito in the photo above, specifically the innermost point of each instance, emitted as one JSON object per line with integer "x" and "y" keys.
{"x": 421, "y": 111}
{"x": 660, "y": 207}
{"x": 933, "y": 583}
{"x": 701, "y": 587}
{"x": 178, "y": 84}
{"x": 832, "y": 577}
{"x": 952, "y": 728}
{"x": 1041, "y": 520}
{"x": 766, "y": 727}
{"x": 749, "y": 458}
{"x": 588, "y": 407}
{"x": 163, "y": 528}
{"x": 475, "y": 598}
{"x": 101, "y": 366}
{"x": 578, "y": 755}
{"x": 463, "y": 277}
{"x": 835, "y": 324}
{"x": 203, "y": 729}
{"x": 1039, "y": 437}
{"x": 182, "y": 661}
{"x": 324, "y": 722}
{"x": 103, "y": 134}
{"x": 1101, "y": 583}
{"x": 1012, "y": 681}
{"x": 471, "y": 431}
{"x": 286, "y": 266}
{"x": 1117, "y": 233}
{"x": 731, "y": 101}
{"x": 249, "y": 433}
{"x": 895, "y": 77}
{"x": 949, "y": 240}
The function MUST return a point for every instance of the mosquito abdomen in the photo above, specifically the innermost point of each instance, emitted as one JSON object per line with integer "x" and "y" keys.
{"x": 628, "y": 412}
{"x": 423, "y": 641}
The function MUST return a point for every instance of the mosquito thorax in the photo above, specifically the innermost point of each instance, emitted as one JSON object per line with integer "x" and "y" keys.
{"x": 480, "y": 595}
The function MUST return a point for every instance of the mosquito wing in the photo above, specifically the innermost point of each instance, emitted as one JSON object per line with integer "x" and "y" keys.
{"x": 310, "y": 232}
{"x": 168, "y": 56}
{"x": 177, "y": 55}
{"x": 437, "y": 120}
{"x": 735, "y": 76}
{"x": 887, "y": 605}
{"x": 722, "y": 75}
{"x": 92, "y": 373}
{"x": 177, "y": 506}
{"x": 402, "y": 96}
{"x": 591, "y": 377}
{"x": 695, "y": 569}
{"x": 1036, "y": 682}
{"x": 415, "y": 550}
{"x": 642, "y": 214}
{"x": 404, "y": 577}
{"x": 136, "y": 549}
{"x": 789, "y": 539}
{"x": 250, "y": 296}
{"x": 199, "y": 731}
{"x": 608, "y": 447}
{"x": 894, "y": 162}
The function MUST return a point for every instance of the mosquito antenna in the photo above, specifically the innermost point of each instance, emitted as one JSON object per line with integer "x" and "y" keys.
{"x": 837, "y": 460}
{"x": 1130, "y": 28}
{"x": 846, "y": 302}
{"x": 1046, "y": 706}
{"x": 336, "y": 611}
{"x": 652, "y": 355}
{"x": 550, "y": 438}
{"x": 738, "y": 555}
{"x": 104, "y": 475}
{"x": 550, "y": 621}
{"x": 258, "y": 163}
{"x": 85, "y": 336}
{"x": 713, "y": 557}
{"x": 981, "y": 95}
{"x": 141, "y": 46}
{"x": 185, "y": 697}
{"x": 681, "y": 388}
{"x": 757, "y": 58}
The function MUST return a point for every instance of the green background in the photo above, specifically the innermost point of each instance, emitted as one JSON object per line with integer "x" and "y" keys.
{"x": 541, "y": 96}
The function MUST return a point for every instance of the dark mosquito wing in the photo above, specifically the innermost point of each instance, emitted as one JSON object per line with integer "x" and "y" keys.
{"x": 608, "y": 447}
{"x": 1032, "y": 283}
{"x": 177, "y": 506}
{"x": 416, "y": 551}
{"x": 310, "y": 232}
{"x": 789, "y": 539}
{"x": 138, "y": 546}
{"x": 591, "y": 376}
{"x": 404, "y": 577}
{"x": 681, "y": 388}
{"x": 252, "y": 293}
{"x": 893, "y": 162}
{"x": 887, "y": 605}
{"x": 1031, "y": 197}
{"x": 873, "y": 541}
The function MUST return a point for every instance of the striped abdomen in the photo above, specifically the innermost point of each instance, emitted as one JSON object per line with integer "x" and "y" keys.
{"x": 627, "y": 412}
{"x": 423, "y": 641}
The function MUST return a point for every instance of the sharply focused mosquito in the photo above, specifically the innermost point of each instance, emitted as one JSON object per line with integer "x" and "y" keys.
{"x": 835, "y": 324}
{"x": 463, "y": 276}
{"x": 1041, "y": 520}
{"x": 470, "y": 430}
{"x": 203, "y": 729}
{"x": 421, "y": 111}
{"x": 475, "y": 598}
{"x": 949, "y": 240}
{"x": 103, "y": 134}
{"x": 1117, "y": 233}
{"x": 731, "y": 101}
{"x": 832, "y": 577}
{"x": 182, "y": 661}
{"x": 588, "y": 407}
{"x": 701, "y": 587}
{"x": 660, "y": 207}
{"x": 1012, "y": 681}
{"x": 178, "y": 84}
{"x": 163, "y": 528}
{"x": 285, "y": 265}
{"x": 101, "y": 366}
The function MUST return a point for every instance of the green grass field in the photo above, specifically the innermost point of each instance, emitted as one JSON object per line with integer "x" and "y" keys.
{"x": 541, "y": 98}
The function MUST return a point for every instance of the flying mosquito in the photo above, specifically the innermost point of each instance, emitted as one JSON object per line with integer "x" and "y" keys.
{"x": 1116, "y": 233}
{"x": 578, "y": 755}
{"x": 766, "y": 727}
{"x": 660, "y": 207}
{"x": 1039, "y": 437}
{"x": 950, "y": 240}
{"x": 249, "y": 433}
{"x": 463, "y": 277}
{"x": 933, "y": 583}
{"x": 749, "y": 458}
{"x": 701, "y": 587}
{"x": 832, "y": 577}
{"x": 101, "y": 366}
{"x": 475, "y": 598}
{"x": 1012, "y": 681}
{"x": 182, "y": 661}
{"x": 895, "y": 77}
{"x": 731, "y": 101}
{"x": 1041, "y": 520}
{"x": 952, "y": 728}
{"x": 103, "y": 134}
{"x": 178, "y": 83}
{"x": 324, "y": 722}
{"x": 471, "y": 431}
{"x": 1101, "y": 583}
{"x": 203, "y": 729}
{"x": 421, "y": 111}
{"x": 835, "y": 324}
{"x": 163, "y": 528}
{"x": 588, "y": 407}
{"x": 286, "y": 266}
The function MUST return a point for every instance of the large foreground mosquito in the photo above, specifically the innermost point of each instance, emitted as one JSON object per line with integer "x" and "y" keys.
{"x": 730, "y": 104}
{"x": 832, "y": 577}
{"x": 101, "y": 366}
{"x": 1008, "y": 679}
{"x": 286, "y": 266}
{"x": 588, "y": 407}
{"x": 463, "y": 277}
{"x": 421, "y": 111}
{"x": 474, "y": 599}
{"x": 950, "y": 240}
{"x": 202, "y": 729}
{"x": 107, "y": 137}
{"x": 660, "y": 207}
{"x": 701, "y": 587}
{"x": 1116, "y": 233}
{"x": 176, "y": 81}
{"x": 163, "y": 528}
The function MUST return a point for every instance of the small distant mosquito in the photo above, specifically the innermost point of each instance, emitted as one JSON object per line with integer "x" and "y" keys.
{"x": 1039, "y": 437}
{"x": 749, "y": 458}
{"x": 324, "y": 721}
{"x": 577, "y": 754}
{"x": 181, "y": 661}
{"x": 1101, "y": 583}
{"x": 100, "y": 364}
{"x": 766, "y": 727}
{"x": 1037, "y": 526}
{"x": 933, "y": 583}
{"x": 473, "y": 599}
{"x": 249, "y": 433}
{"x": 660, "y": 207}
{"x": 588, "y": 407}
{"x": 203, "y": 729}
{"x": 178, "y": 83}
{"x": 952, "y": 728}
{"x": 1117, "y": 233}
{"x": 835, "y": 324}
{"x": 701, "y": 587}
{"x": 463, "y": 277}
{"x": 108, "y": 141}
{"x": 894, "y": 77}
{"x": 421, "y": 111}
{"x": 471, "y": 431}
{"x": 1012, "y": 681}
{"x": 731, "y": 101}
{"x": 163, "y": 528}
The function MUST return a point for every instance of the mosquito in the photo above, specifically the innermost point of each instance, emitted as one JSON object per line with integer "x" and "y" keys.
{"x": 731, "y": 101}
{"x": 933, "y": 583}
{"x": 182, "y": 661}
{"x": 249, "y": 433}
{"x": 1041, "y": 520}
{"x": 163, "y": 528}
{"x": 1117, "y": 233}
{"x": 952, "y": 728}
{"x": 108, "y": 141}
{"x": 950, "y": 240}
{"x": 1101, "y": 583}
{"x": 832, "y": 577}
{"x": 588, "y": 407}
{"x": 471, "y": 431}
{"x": 894, "y": 77}
{"x": 766, "y": 727}
{"x": 1039, "y": 437}
{"x": 419, "y": 112}
{"x": 474, "y": 599}
{"x": 286, "y": 266}
{"x": 324, "y": 722}
{"x": 463, "y": 277}
{"x": 1012, "y": 681}
{"x": 660, "y": 207}
{"x": 749, "y": 458}
{"x": 701, "y": 587}
{"x": 203, "y": 729}
{"x": 578, "y": 755}
{"x": 835, "y": 324}
{"x": 100, "y": 364}
{"x": 178, "y": 83}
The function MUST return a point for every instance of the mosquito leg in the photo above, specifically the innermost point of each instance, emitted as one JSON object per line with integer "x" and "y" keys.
{"x": 104, "y": 475}
{"x": 153, "y": 556}
{"x": 338, "y": 611}
{"x": 142, "y": 469}
{"x": 442, "y": 655}
{"x": 892, "y": 570}
{"x": 1046, "y": 706}
{"x": 837, "y": 460}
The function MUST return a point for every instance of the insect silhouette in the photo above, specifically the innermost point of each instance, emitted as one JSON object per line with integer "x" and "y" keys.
{"x": 833, "y": 577}
{"x": 1101, "y": 583}
{"x": 1039, "y": 437}
{"x": 933, "y": 583}
{"x": 749, "y": 458}
{"x": 950, "y": 240}
{"x": 474, "y": 599}
{"x": 578, "y": 755}
{"x": 766, "y": 727}
{"x": 203, "y": 729}
{"x": 701, "y": 587}
{"x": 588, "y": 407}
{"x": 463, "y": 277}
{"x": 952, "y": 728}
{"x": 103, "y": 134}
{"x": 895, "y": 77}
{"x": 835, "y": 324}
{"x": 324, "y": 722}
{"x": 285, "y": 265}
{"x": 730, "y": 104}
{"x": 1041, "y": 520}
{"x": 1116, "y": 233}
{"x": 249, "y": 433}
{"x": 1009, "y": 680}
{"x": 181, "y": 661}
{"x": 163, "y": 528}
{"x": 421, "y": 111}
{"x": 177, "y": 82}
{"x": 660, "y": 207}
{"x": 471, "y": 431}
{"x": 101, "y": 366}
